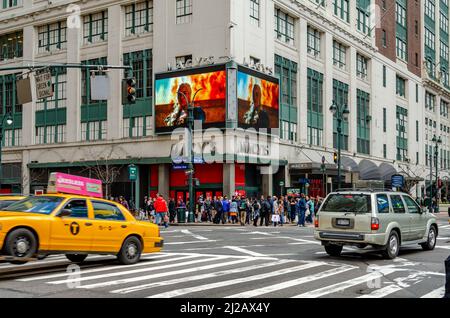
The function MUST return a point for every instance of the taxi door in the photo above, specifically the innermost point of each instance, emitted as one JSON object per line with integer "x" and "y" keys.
{"x": 71, "y": 228}
{"x": 110, "y": 227}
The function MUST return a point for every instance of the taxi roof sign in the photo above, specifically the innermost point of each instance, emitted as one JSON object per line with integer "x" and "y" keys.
{"x": 71, "y": 184}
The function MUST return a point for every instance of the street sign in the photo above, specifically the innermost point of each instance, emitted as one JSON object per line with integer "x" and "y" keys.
{"x": 132, "y": 172}
{"x": 44, "y": 87}
{"x": 180, "y": 166}
{"x": 323, "y": 167}
{"x": 281, "y": 183}
{"x": 99, "y": 87}
{"x": 397, "y": 181}
{"x": 323, "y": 159}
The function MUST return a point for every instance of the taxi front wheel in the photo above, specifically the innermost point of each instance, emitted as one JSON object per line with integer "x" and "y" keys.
{"x": 131, "y": 250}
{"x": 21, "y": 243}
{"x": 76, "y": 258}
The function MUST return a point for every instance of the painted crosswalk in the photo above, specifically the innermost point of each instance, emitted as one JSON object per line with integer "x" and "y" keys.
{"x": 169, "y": 275}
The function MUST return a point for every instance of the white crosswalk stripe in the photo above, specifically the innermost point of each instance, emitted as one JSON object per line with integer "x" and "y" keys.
{"x": 241, "y": 276}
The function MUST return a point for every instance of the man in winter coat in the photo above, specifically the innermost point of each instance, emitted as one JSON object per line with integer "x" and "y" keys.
{"x": 160, "y": 210}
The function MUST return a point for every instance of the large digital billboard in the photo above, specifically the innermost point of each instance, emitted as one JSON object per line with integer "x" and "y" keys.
{"x": 258, "y": 100}
{"x": 173, "y": 92}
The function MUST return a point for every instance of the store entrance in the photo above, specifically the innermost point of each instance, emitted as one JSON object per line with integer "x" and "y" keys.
{"x": 184, "y": 195}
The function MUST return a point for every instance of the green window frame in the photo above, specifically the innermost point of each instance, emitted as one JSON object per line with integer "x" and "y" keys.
{"x": 52, "y": 37}
{"x": 95, "y": 27}
{"x": 11, "y": 3}
{"x": 315, "y": 107}
{"x": 340, "y": 97}
{"x": 139, "y": 17}
{"x": 363, "y": 122}
{"x": 402, "y": 134}
{"x": 313, "y": 45}
{"x": 94, "y": 114}
{"x": 363, "y": 16}
{"x": 401, "y": 30}
{"x": 401, "y": 87}
{"x": 342, "y": 9}
{"x": 11, "y": 46}
{"x": 287, "y": 71}
{"x": 9, "y": 104}
{"x": 362, "y": 66}
{"x": 339, "y": 54}
{"x": 284, "y": 27}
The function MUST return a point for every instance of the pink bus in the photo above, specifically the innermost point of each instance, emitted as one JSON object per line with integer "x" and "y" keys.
{"x": 70, "y": 184}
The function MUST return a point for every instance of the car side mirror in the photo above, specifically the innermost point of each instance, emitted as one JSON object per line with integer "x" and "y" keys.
{"x": 64, "y": 213}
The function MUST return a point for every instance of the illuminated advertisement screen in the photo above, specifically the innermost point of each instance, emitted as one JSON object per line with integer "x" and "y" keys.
{"x": 258, "y": 100}
{"x": 173, "y": 92}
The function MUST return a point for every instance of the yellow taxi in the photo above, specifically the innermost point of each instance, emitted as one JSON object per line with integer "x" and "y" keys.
{"x": 8, "y": 199}
{"x": 74, "y": 225}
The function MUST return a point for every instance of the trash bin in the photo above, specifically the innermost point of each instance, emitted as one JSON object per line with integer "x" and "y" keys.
{"x": 448, "y": 211}
{"x": 181, "y": 215}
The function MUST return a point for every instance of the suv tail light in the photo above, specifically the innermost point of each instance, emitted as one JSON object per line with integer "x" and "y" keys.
{"x": 375, "y": 224}
{"x": 316, "y": 222}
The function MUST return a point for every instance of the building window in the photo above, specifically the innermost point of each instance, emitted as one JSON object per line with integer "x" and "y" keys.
{"x": 444, "y": 108}
{"x": 384, "y": 38}
{"x": 339, "y": 54}
{"x": 254, "y": 11}
{"x": 313, "y": 41}
{"x": 136, "y": 127}
{"x": 341, "y": 9}
{"x": 287, "y": 71}
{"x": 139, "y": 18}
{"x": 363, "y": 22}
{"x": 11, "y": 46}
{"x": 95, "y": 27}
{"x": 93, "y": 130}
{"x": 284, "y": 27}
{"x": 142, "y": 63}
{"x": 402, "y": 134}
{"x": 50, "y": 134}
{"x": 401, "y": 30}
{"x": 385, "y": 151}
{"x": 384, "y": 75}
{"x": 340, "y": 97}
{"x": 363, "y": 122}
{"x": 384, "y": 120}
{"x": 430, "y": 9}
{"x": 401, "y": 87}
{"x": 361, "y": 66}
{"x": 184, "y": 11}
{"x": 11, "y": 3}
{"x": 9, "y": 104}
{"x": 430, "y": 39}
{"x": 52, "y": 37}
{"x": 430, "y": 101}
{"x": 315, "y": 108}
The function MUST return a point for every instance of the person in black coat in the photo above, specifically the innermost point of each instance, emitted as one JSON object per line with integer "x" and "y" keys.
{"x": 172, "y": 211}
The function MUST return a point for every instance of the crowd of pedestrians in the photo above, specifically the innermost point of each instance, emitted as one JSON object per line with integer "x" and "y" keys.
{"x": 262, "y": 211}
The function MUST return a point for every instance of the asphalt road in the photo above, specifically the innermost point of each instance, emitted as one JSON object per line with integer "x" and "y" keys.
{"x": 238, "y": 262}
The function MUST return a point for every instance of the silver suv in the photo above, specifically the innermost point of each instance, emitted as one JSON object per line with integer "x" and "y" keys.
{"x": 381, "y": 219}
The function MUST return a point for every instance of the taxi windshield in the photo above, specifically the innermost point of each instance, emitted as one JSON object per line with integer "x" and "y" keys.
{"x": 41, "y": 205}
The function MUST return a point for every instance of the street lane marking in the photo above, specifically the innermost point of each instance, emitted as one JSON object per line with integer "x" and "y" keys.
{"x": 198, "y": 237}
{"x": 443, "y": 247}
{"x": 184, "y": 291}
{"x": 173, "y": 273}
{"x": 48, "y": 262}
{"x": 344, "y": 285}
{"x": 258, "y": 233}
{"x": 193, "y": 242}
{"x": 383, "y": 292}
{"x": 58, "y": 282}
{"x": 400, "y": 284}
{"x": 239, "y": 249}
{"x": 102, "y": 269}
{"x": 199, "y": 277}
{"x": 291, "y": 283}
{"x": 437, "y": 293}
{"x": 287, "y": 238}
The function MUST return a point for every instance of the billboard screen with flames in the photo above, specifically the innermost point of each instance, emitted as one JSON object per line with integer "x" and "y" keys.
{"x": 210, "y": 101}
{"x": 258, "y": 100}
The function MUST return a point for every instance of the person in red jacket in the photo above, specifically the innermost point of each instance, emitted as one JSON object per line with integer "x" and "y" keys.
{"x": 161, "y": 210}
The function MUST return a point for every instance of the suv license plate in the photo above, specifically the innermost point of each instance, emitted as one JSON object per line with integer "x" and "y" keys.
{"x": 343, "y": 222}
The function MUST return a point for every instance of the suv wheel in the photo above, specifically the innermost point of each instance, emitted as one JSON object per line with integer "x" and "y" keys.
{"x": 333, "y": 250}
{"x": 21, "y": 243}
{"x": 393, "y": 246}
{"x": 431, "y": 242}
{"x": 131, "y": 250}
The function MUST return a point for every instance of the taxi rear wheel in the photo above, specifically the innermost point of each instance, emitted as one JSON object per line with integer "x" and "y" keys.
{"x": 131, "y": 250}
{"x": 21, "y": 243}
{"x": 76, "y": 258}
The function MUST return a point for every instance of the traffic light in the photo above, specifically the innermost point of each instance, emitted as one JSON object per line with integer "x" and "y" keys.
{"x": 129, "y": 91}
{"x": 335, "y": 157}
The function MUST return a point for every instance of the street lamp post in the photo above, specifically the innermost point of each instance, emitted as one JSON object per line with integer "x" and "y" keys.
{"x": 8, "y": 119}
{"x": 341, "y": 112}
{"x": 437, "y": 141}
{"x": 190, "y": 151}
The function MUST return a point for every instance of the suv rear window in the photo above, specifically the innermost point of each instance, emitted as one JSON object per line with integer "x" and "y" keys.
{"x": 355, "y": 203}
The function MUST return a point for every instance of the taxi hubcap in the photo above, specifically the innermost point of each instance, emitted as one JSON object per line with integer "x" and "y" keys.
{"x": 22, "y": 245}
{"x": 132, "y": 250}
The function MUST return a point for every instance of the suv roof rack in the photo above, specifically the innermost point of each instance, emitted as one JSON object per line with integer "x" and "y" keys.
{"x": 364, "y": 189}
